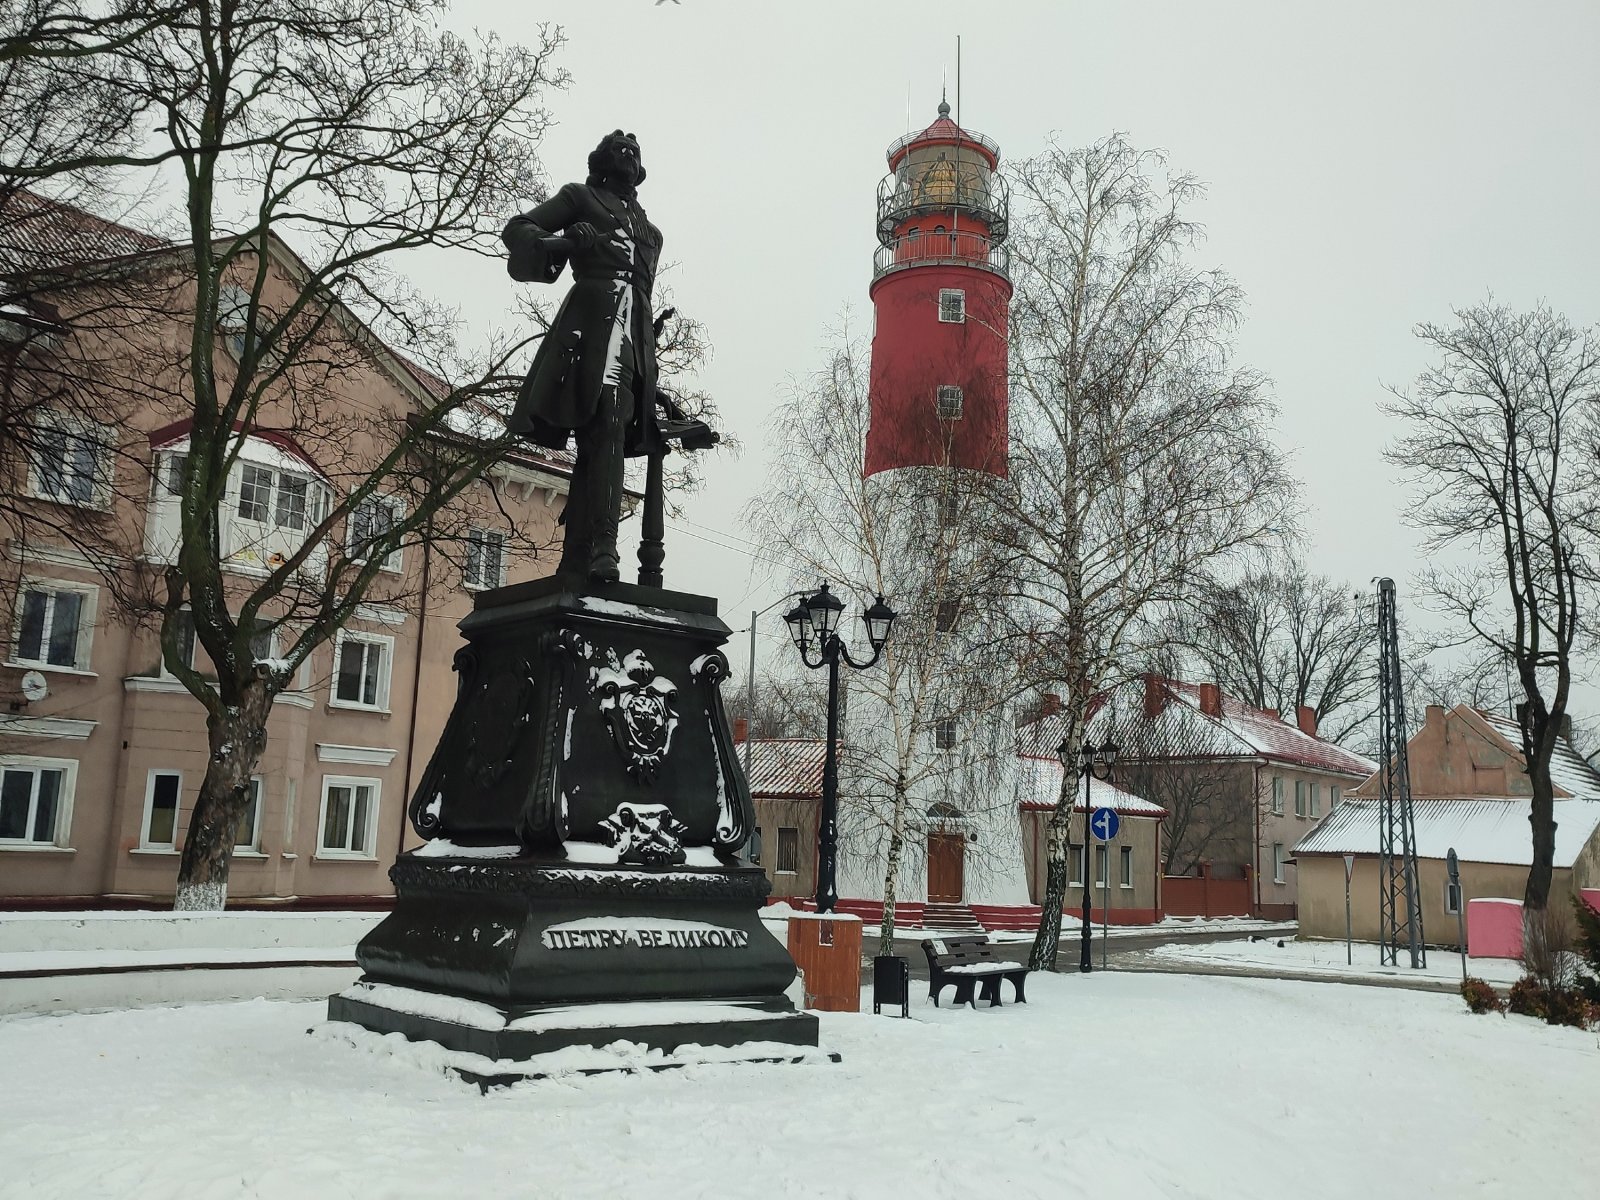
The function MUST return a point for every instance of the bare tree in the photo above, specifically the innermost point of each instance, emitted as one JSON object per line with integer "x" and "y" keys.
{"x": 921, "y": 725}
{"x": 1140, "y": 459}
{"x": 1281, "y": 638}
{"x": 1207, "y": 799}
{"x": 353, "y": 134}
{"x": 1501, "y": 445}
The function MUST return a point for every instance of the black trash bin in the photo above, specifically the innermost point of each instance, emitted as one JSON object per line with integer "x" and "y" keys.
{"x": 891, "y": 983}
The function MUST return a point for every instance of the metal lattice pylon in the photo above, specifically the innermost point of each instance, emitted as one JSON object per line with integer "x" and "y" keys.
{"x": 1399, "y": 903}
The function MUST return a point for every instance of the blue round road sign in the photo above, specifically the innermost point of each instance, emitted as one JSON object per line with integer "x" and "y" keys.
{"x": 1103, "y": 823}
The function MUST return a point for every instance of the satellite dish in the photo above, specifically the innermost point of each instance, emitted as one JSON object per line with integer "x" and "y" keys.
{"x": 34, "y": 686}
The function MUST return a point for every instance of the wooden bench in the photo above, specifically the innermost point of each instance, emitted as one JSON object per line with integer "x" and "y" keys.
{"x": 969, "y": 964}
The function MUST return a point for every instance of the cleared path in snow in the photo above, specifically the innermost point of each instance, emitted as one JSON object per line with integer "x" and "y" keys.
{"x": 1117, "y": 1084}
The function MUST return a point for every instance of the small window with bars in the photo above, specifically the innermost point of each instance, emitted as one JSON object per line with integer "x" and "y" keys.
{"x": 944, "y": 733}
{"x": 945, "y": 618}
{"x": 788, "y": 862}
{"x": 952, "y": 306}
{"x": 949, "y": 402}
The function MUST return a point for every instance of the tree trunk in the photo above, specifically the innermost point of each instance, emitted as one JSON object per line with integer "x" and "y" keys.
{"x": 1048, "y": 940}
{"x": 1541, "y": 816}
{"x": 891, "y": 872}
{"x": 237, "y": 736}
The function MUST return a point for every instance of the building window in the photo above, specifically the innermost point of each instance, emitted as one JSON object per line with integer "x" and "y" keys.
{"x": 160, "y": 828}
{"x": 349, "y": 816}
{"x": 945, "y": 618}
{"x": 948, "y": 509}
{"x": 944, "y": 733}
{"x": 1075, "y": 863}
{"x": 233, "y": 316}
{"x": 1452, "y": 898}
{"x": 1277, "y": 795}
{"x": 486, "y": 559}
{"x": 1316, "y": 799}
{"x": 952, "y": 306}
{"x": 1100, "y": 857}
{"x": 369, "y": 521}
{"x": 247, "y": 834}
{"x": 53, "y": 625}
{"x": 1127, "y": 866}
{"x": 949, "y": 402}
{"x": 184, "y": 620}
{"x": 361, "y": 675}
{"x": 70, "y": 461}
{"x": 35, "y": 795}
{"x": 788, "y": 850}
{"x": 283, "y": 499}
{"x": 1277, "y": 862}
{"x": 1299, "y": 797}
{"x": 1335, "y": 794}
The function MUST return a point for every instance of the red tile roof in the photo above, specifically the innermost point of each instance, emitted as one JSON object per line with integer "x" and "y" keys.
{"x": 785, "y": 768}
{"x": 38, "y": 234}
{"x": 1242, "y": 731}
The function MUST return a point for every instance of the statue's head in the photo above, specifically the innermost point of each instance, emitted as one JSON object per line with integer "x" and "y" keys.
{"x": 616, "y": 157}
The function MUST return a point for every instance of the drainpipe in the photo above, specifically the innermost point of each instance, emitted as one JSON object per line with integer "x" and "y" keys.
{"x": 416, "y": 682}
{"x": 1255, "y": 795}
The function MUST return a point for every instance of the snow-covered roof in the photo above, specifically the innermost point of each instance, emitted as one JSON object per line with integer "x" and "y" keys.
{"x": 1039, "y": 785}
{"x": 268, "y": 447}
{"x": 1479, "y": 830}
{"x": 1569, "y": 771}
{"x": 1182, "y": 730}
{"x": 785, "y": 768}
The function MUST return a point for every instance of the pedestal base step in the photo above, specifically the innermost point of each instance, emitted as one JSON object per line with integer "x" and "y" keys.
{"x": 490, "y": 1047}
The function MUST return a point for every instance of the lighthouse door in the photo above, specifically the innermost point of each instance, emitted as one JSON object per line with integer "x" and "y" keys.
{"x": 947, "y": 853}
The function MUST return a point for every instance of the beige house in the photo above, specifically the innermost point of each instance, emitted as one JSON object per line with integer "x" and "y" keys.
{"x": 1238, "y": 785}
{"x": 1470, "y": 794}
{"x": 785, "y": 777}
{"x": 102, "y": 752}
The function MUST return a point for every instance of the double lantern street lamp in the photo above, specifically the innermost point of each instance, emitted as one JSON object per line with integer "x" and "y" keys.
{"x": 815, "y": 620}
{"x": 1097, "y": 762}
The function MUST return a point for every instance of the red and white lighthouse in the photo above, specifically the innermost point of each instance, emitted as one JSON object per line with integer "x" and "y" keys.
{"x": 940, "y": 291}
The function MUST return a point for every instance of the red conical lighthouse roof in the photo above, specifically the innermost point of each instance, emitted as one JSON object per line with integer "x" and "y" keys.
{"x": 944, "y": 132}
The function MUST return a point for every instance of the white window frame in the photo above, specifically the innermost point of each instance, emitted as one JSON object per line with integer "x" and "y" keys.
{"x": 397, "y": 511}
{"x": 329, "y": 782}
{"x": 69, "y": 784}
{"x": 312, "y": 512}
{"x": 87, "y": 614}
{"x": 1299, "y": 797}
{"x": 1314, "y": 800}
{"x": 1074, "y": 864}
{"x": 103, "y": 437}
{"x": 952, "y": 300}
{"x": 1125, "y": 867}
{"x": 382, "y": 640}
{"x": 149, "y": 810}
{"x": 481, "y": 536}
{"x": 949, "y": 402}
{"x": 1279, "y": 861}
{"x": 1449, "y": 888}
{"x": 194, "y": 641}
{"x": 777, "y": 851}
{"x": 1277, "y": 795}
{"x": 252, "y": 847}
{"x": 1335, "y": 795}
{"x": 1102, "y": 865}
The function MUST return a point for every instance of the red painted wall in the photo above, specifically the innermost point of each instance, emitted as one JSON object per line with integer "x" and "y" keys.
{"x": 913, "y": 353}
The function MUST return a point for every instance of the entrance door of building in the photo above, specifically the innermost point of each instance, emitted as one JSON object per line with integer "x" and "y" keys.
{"x": 947, "y": 854}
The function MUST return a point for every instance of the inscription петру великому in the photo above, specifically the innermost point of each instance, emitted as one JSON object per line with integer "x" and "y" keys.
{"x": 706, "y": 938}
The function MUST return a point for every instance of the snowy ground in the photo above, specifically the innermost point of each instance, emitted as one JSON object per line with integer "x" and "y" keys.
{"x": 1110, "y": 1085}
{"x": 1328, "y": 958}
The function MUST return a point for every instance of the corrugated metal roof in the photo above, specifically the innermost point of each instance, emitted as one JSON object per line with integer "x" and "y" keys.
{"x": 1479, "y": 830}
{"x": 1039, "y": 785}
{"x": 789, "y": 768}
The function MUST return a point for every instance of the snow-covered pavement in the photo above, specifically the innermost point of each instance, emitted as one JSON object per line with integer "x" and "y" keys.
{"x": 1327, "y": 960}
{"x": 1112, "y": 1085}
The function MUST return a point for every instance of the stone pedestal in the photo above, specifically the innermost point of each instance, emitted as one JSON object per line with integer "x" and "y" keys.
{"x": 584, "y": 883}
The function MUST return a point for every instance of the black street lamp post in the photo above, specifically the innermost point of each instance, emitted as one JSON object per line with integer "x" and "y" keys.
{"x": 817, "y": 615}
{"x": 1096, "y": 761}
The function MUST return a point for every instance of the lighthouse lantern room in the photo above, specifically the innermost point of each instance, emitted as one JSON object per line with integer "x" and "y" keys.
{"x": 940, "y": 290}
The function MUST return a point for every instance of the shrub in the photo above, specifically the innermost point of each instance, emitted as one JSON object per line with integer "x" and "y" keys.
{"x": 1527, "y": 998}
{"x": 1547, "y": 949}
{"x": 1480, "y": 997}
{"x": 1566, "y": 1006}
{"x": 1588, "y": 948}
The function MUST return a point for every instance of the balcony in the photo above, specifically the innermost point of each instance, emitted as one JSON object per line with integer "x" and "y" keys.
{"x": 939, "y": 188}
{"x": 942, "y": 249}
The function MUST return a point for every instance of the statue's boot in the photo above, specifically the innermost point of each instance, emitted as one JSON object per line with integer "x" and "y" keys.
{"x": 604, "y": 483}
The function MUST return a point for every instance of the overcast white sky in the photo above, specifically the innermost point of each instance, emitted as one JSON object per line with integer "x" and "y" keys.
{"x": 1369, "y": 165}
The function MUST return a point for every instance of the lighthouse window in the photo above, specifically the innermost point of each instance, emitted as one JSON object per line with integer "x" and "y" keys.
{"x": 949, "y": 402}
{"x": 952, "y": 305}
